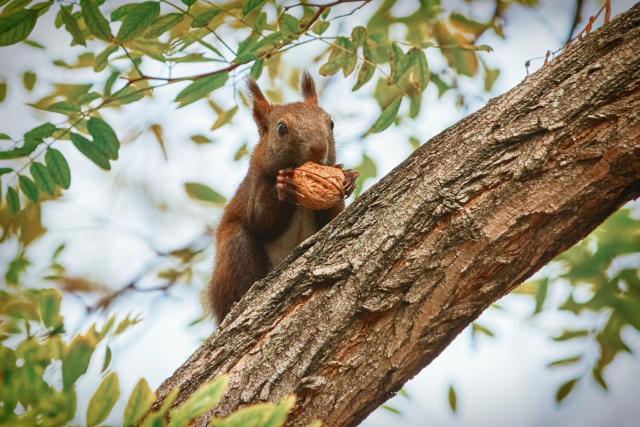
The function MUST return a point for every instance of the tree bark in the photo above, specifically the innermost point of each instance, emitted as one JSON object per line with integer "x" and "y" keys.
{"x": 362, "y": 306}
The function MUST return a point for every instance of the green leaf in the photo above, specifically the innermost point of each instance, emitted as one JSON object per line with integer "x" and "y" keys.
{"x": 203, "y": 19}
{"x": 203, "y": 400}
{"x": 201, "y": 88}
{"x": 103, "y": 58}
{"x": 96, "y": 23}
{"x": 163, "y": 24}
{"x": 597, "y": 376}
{"x": 376, "y": 49}
{"x": 3, "y": 91}
{"x": 250, "y": 5}
{"x": 541, "y": 294}
{"x": 29, "y": 79}
{"x": 256, "y": 69}
{"x": 108, "y": 355}
{"x": 564, "y": 362}
{"x": 569, "y": 335}
{"x": 140, "y": 401}
{"x": 103, "y": 400}
{"x": 76, "y": 360}
{"x": 45, "y": 130}
{"x": 72, "y": 26}
{"x": 204, "y": 193}
{"x": 29, "y": 188}
{"x": 188, "y": 2}
{"x": 43, "y": 178}
{"x": 565, "y": 389}
{"x": 49, "y": 300}
{"x": 17, "y": 26}
{"x": 358, "y": 35}
{"x": 27, "y": 148}
{"x": 289, "y": 24}
{"x": 137, "y": 19}
{"x": 453, "y": 399}
{"x": 91, "y": 150}
{"x": 58, "y": 168}
{"x": 258, "y": 415}
{"x": 478, "y": 328}
{"x": 63, "y": 107}
{"x": 420, "y": 74}
{"x": 320, "y": 27}
{"x": 364, "y": 75}
{"x": 490, "y": 77}
{"x": 242, "y": 152}
{"x": 13, "y": 201}
{"x": 224, "y": 118}
{"x": 391, "y": 409}
{"x": 387, "y": 117}
{"x": 105, "y": 137}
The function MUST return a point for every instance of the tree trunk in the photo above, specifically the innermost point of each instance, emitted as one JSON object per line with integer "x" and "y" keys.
{"x": 366, "y": 303}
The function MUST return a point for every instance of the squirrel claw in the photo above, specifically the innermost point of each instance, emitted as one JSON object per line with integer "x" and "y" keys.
{"x": 284, "y": 185}
{"x": 350, "y": 181}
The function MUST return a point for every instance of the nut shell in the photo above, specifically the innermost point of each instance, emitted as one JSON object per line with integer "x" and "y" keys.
{"x": 318, "y": 186}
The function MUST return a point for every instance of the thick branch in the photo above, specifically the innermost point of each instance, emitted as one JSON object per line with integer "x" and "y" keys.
{"x": 370, "y": 300}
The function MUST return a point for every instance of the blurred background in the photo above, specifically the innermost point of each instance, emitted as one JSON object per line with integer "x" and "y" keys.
{"x": 138, "y": 238}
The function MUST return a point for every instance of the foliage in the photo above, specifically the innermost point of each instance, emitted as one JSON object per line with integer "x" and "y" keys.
{"x": 40, "y": 372}
{"x": 394, "y": 57}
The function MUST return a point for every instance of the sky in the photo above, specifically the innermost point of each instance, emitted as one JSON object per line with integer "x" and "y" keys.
{"x": 117, "y": 224}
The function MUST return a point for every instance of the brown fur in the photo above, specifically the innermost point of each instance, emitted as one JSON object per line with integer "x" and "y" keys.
{"x": 255, "y": 218}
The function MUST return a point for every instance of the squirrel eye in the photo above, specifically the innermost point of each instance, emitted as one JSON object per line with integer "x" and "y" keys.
{"x": 331, "y": 124}
{"x": 282, "y": 129}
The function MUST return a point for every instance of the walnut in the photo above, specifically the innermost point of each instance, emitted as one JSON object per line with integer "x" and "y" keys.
{"x": 322, "y": 187}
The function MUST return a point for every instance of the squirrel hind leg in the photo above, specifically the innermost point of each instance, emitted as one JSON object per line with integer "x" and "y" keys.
{"x": 241, "y": 260}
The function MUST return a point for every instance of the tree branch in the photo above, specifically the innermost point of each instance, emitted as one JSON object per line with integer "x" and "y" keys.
{"x": 366, "y": 303}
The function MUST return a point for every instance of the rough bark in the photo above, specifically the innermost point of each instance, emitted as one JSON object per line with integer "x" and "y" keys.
{"x": 362, "y": 306}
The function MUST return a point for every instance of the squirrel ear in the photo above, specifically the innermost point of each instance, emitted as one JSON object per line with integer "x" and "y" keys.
{"x": 308, "y": 88}
{"x": 261, "y": 106}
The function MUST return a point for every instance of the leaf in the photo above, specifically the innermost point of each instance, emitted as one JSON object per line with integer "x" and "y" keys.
{"x": 566, "y": 361}
{"x": 201, "y": 88}
{"x": 387, "y": 117}
{"x": 43, "y": 178}
{"x": 597, "y": 376}
{"x": 159, "y": 134}
{"x": 258, "y": 415}
{"x": 250, "y": 5}
{"x": 478, "y": 328}
{"x": 72, "y": 26}
{"x": 189, "y": 3}
{"x": 391, "y": 409}
{"x": 63, "y": 107}
{"x": 453, "y": 399}
{"x": 289, "y": 24}
{"x": 140, "y": 401}
{"x": 565, "y": 389}
{"x": 358, "y": 35}
{"x": 242, "y": 152}
{"x": 103, "y": 58}
{"x": 45, "y": 130}
{"x": 105, "y": 137}
{"x": 224, "y": 118}
{"x": 13, "y": 201}
{"x": 91, "y": 150}
{"x": 76, "y": 360}
{"x": 203, "y": 19}
{"x": 204, "y": 193}
{"x": 490, "y": 77}
{"x": 569, "y": 335}
{"x": 96, "y": 23}
{"x": 203, "y": 400}
{"x": 3, "y": 91}
{"x": 49, "y": 300}
{"x": 29, "y": 79}
{"x": 17, "y": 26}
{"x": 163, "y": 24}
{"x": 320, "y": 27}
{"x": 29, "y": 188}
{"x": 108, "y": 355}
{"x": 137, "y": 19}
{"x": 364, "y": 75}
{"x": 27, "y": 148}
{"x": 256, "y": 69}
{"x": 103, "y": 400}
{"x": 200, "y": 139}
{"x": 420, "y": 73}
{"x": 58, "y": 167}
{"x": 126, "y": 323}
{"x": 541, "y": 294}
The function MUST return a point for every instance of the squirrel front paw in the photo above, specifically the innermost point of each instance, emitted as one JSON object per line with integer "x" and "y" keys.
{"x": 350, "y": 177}
{"x": 285, "y": 186}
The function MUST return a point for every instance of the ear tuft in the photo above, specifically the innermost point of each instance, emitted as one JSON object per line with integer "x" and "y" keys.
{"x": 308, "y": 88}
{"x": 261, "y": 106}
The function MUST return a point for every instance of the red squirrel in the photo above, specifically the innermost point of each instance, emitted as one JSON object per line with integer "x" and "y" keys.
{"x": 262, "y": 223}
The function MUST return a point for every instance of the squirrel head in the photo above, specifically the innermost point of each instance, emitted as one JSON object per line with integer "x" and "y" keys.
{"x": 292, "y": 134}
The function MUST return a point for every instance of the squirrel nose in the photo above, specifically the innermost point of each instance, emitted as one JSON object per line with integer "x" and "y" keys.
{"x": 319, "y": 152}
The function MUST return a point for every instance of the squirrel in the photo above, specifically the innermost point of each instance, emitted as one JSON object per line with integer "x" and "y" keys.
{"x": 262, "y": 223}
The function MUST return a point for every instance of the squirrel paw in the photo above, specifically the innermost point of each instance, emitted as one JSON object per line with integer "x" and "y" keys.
{"x": 285, "y": 186}
{"x": 349, "y": 184}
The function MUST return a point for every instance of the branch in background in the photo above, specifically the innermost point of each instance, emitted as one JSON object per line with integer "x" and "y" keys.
{"x": 577, "y": 18}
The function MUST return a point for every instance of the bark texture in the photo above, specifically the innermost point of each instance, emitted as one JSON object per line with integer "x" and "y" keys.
{"x": 362, "y": 306}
